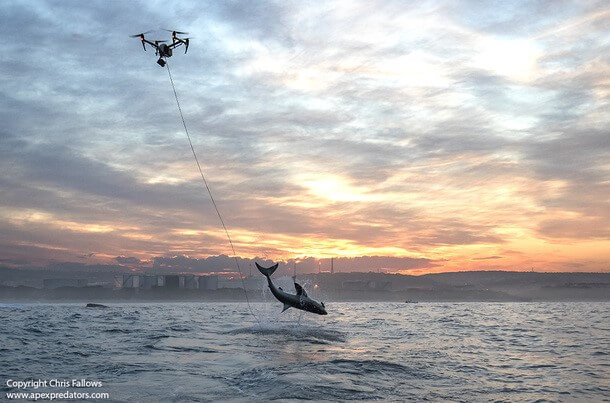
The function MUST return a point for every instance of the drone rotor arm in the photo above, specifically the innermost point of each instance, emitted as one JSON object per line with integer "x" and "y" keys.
{"x": 175, "y": 45}
{"x": 154, "y": 45}
{"x": 179, "y": 42}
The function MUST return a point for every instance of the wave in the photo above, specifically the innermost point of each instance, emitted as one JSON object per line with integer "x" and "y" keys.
{"x": 379, "y": 367}
{"x": 180, "y": 349}
{"x": 118, "y": 330}
{"x": 291, "y": 332}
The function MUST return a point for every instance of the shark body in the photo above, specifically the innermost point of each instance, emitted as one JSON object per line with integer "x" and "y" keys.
{"x": 300, "y": 300}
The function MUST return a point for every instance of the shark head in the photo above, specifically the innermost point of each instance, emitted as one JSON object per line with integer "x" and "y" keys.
{"x": 317, "y": 307}
{"x": 323, "y": 309}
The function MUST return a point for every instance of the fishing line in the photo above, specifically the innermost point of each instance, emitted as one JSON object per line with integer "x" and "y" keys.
{"x": 205, "y": 182}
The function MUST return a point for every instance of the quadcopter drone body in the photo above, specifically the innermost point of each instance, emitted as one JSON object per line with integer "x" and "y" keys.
{"x": 161, "y": 48}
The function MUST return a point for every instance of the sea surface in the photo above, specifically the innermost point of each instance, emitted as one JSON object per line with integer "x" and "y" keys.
{"x": 187, "y": 352}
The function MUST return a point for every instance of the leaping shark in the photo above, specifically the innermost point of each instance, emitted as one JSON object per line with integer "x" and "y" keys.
{"x": 299, "y": 301}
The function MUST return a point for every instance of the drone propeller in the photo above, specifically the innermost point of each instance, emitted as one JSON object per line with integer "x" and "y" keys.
{"x": 140, "y": 34}
{"x": 175, "y": 32}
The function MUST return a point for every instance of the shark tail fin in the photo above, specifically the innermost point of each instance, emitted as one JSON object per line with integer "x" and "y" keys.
{"x": 267, "y": 271}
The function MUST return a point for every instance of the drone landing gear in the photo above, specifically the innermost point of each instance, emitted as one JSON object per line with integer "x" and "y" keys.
{"x": 161, "y": 62}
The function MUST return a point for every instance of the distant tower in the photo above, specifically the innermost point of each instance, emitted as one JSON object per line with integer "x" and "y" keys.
{"x": 332, "y": 265}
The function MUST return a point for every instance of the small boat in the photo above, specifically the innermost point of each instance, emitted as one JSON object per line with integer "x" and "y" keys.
{"x": 410, "y": 301}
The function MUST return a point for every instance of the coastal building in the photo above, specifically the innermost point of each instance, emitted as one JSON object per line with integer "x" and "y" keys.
{"x": 51, "y": 283}
{"x": 251, "y": 283}
{"x": 189, "y": 282}
{"x": 130, "y": 281}
{"x": 209, "y": 282}
{"x": 186, "y": 282}
{"x": 172, "y": 282}
{"x": 360, "y": 285}
{"x": 139, "y": 281}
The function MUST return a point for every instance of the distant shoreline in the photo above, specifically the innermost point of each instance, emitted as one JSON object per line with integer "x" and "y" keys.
{"x": 100, "y": 294}
{"x": 491, "y": 286}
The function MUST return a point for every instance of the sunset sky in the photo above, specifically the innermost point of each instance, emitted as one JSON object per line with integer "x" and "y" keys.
{"x": 410, "y": 137}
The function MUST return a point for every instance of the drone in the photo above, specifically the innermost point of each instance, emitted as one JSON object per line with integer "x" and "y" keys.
{"x": 161, "y": 49}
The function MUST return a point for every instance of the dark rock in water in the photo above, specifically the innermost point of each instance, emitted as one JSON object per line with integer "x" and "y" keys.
{"x": 90, "y": 305}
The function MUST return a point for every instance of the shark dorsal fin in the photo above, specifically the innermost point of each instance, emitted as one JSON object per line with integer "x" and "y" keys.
{"x": 286, "y": 306}
{"x": 300, "y": 290}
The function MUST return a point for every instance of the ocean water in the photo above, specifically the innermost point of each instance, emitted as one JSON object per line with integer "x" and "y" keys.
{"x": 374, "y": 351}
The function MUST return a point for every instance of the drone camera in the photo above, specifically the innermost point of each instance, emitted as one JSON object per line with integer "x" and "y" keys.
{"x": 161, "y": 62}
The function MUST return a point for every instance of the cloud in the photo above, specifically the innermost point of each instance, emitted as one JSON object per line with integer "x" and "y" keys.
{"x": 488, "y": 258}
{"x": 434, "y": 131}
{"x": 127, "y": 260}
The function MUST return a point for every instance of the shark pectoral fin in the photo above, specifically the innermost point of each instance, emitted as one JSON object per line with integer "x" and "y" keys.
{"x": 286, "y": 306}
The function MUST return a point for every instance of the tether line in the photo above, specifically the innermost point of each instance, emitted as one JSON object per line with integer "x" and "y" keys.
{"x": 207, "y": 187}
